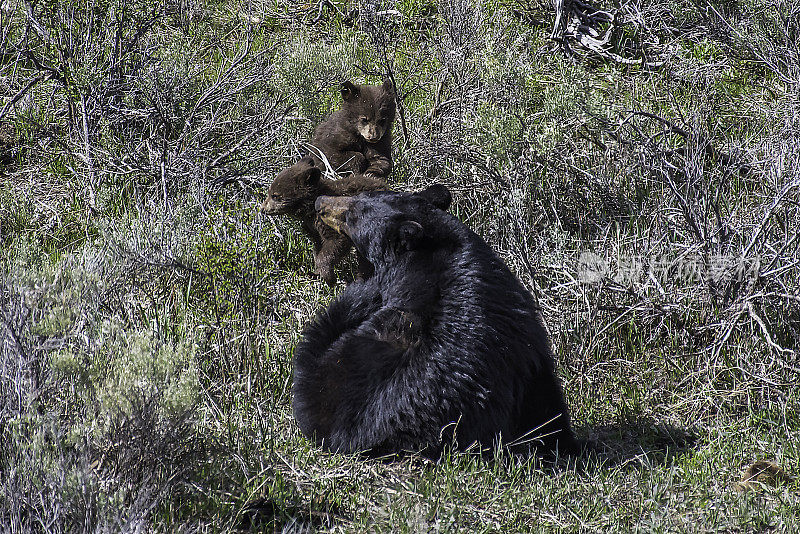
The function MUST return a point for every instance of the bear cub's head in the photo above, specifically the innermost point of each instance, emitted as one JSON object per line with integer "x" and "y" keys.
{"x": 293, "y": 187}
{"x": 387, "y": 224}
{"x": 369, "y": 109}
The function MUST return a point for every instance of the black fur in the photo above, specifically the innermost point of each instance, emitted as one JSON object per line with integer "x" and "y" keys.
{"x": 442, "y": 344}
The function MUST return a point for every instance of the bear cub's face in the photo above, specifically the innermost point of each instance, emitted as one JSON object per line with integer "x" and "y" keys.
{"x": 292, "y": 187}
{"x": 370, "y": 109}
{"x": 385, "y": 223}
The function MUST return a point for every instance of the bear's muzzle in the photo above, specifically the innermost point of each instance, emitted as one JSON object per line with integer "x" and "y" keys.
{"x": 333, "y": 211}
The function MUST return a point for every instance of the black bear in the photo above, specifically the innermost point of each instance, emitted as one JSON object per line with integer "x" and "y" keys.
{"x": 358, "y": 137}
{"x": 442, "y": 345}
{"x": 294, "y": 191}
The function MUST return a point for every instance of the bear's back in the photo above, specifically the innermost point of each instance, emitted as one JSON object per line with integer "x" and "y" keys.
{"x": 443, "y": 343}
{"x": 494, "y": 336}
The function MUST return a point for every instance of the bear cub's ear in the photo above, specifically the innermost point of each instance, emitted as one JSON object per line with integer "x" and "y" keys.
{"x": 350, "y": 91}
{"x": 313, "y": 174}
{"x": 438, "y": 195}
{"x": 409, "y": 234}
{"x": 388, "y": 86}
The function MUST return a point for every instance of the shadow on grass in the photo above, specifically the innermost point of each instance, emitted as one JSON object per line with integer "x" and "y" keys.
{"x": 268, "y": 514}
{"x": 635, "y": 442}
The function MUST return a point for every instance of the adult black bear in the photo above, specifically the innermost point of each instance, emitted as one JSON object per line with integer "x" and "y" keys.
{"x": 294, "y": 192}
{"x": 358, "y": 137}
{"x": 442, "y": 344}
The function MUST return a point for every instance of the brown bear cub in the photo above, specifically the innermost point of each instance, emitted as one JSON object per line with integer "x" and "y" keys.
{"x": 358, "y": 137}
{"x": 294, "y": 192}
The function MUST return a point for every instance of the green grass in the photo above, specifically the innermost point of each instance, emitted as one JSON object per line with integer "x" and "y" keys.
{"x": 146, "y": 341}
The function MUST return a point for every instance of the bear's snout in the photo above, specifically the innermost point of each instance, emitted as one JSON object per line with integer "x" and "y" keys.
{"x": 270, "y": 207}
{"x": 371, "y": 133}
{"x": 319, "y": 204}
{"x": 332, "y": 211}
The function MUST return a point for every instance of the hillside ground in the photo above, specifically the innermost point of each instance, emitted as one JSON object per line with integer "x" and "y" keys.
{"x": 637, "y": 166}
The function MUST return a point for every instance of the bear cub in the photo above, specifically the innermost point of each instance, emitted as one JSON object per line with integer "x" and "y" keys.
{"x": 358, "y": 137}
{"x": 441, "y": 346}
{"x": 294, "y": 192}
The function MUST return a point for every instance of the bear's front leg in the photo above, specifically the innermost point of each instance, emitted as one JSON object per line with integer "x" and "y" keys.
{"x": 378, "y": 162}
{"x": 333, "y": 250}
{"x": 401, "y": 328}
{"x": 365, "y": 268}
{"x": 352, "y": 161}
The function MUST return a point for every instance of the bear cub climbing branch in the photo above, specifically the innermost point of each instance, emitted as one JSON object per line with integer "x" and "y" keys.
{"x": 358, "y": 137}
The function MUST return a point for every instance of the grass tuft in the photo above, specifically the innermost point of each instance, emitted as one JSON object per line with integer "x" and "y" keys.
{"x": 149, "y": 312}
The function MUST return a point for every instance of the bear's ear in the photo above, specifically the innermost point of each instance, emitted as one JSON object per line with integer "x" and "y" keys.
{"x": 438, "y": 195}
{"x": 313, "y": 175}
{"x": 409, "y": 234}
{"x": 388, "y": 86}
{"x": 350, "y": 91}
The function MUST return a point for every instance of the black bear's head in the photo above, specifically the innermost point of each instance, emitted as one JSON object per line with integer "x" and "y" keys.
{"x": 369, "y": 109}
{"x": 387, "y": 224}
{"x": 292, "y": 187}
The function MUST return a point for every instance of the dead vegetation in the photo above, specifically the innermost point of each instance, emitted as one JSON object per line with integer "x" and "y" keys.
{"x": 636, "y": 164}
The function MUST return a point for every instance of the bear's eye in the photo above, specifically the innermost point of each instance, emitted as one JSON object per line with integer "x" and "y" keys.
{"x": 275, "y": 197}
{"x": 364, "y": 120}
